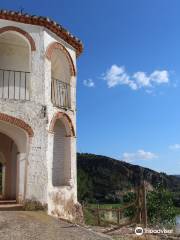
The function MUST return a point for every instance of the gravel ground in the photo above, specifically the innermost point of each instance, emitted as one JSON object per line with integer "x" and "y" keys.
{"x": 21, "y": 225}
{"x": 127, "y": 233}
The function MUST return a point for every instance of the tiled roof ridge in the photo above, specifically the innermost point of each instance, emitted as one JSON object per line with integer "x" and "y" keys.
{"x": 46, "y": 22}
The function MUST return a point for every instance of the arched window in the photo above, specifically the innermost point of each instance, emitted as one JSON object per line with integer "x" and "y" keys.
{"x": 15, "y": 55}
{"x": 62, "y": 69}
{"x": 60, "y": 73}
{"x": 61, "y": 166}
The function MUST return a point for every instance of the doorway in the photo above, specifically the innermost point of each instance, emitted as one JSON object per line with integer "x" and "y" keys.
{"x": 8, "y": 168}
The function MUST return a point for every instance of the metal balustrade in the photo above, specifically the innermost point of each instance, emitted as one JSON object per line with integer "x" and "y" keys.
{"x": 14, "y": 84}
{"x": 60, "y": 94}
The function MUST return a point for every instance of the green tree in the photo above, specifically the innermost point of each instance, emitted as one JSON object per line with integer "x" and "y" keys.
{"x": 84, "y": 186}
{"x": 160, "y": 207}
{"x": 129, "y": 197}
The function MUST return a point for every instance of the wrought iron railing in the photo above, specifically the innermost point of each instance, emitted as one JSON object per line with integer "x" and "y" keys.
{"x": 60, "y": 94}
{"x": 14, "y": 84}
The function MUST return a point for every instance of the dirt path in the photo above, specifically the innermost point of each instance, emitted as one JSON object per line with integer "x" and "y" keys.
{"x": 19, "y": 225}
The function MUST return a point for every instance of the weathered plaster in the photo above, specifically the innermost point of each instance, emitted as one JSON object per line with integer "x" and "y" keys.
{"x": 38, "y": 113}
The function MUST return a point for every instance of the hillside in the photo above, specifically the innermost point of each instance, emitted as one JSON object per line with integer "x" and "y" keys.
{"x": 103, "y": 179}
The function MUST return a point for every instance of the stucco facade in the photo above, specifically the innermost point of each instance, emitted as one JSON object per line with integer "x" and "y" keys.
{"x": 43, "y": 129}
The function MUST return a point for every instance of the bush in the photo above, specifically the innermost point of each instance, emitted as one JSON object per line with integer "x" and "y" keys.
{"x": 160, "y": 207}
{"x": 129, "y": 198}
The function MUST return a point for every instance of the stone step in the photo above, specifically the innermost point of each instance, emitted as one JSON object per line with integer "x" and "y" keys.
{"x": 11, "y": 207}
{"x": 3, "y": 202}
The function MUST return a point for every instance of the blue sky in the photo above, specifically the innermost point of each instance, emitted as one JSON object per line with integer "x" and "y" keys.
{"x": 128, "y": 76}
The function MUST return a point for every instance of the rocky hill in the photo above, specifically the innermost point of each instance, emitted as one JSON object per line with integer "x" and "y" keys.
{"x": 103, "y": 179}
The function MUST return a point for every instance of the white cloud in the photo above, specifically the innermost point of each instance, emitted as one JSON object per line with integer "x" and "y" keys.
{"x": 89, "y": 83}
{"x": 159, "y": 76}
{"x": 174, "y": 146}
{"x": 139, "y": 155}
{"x": 142, "y": 79}
{"x": 117, "y": 75}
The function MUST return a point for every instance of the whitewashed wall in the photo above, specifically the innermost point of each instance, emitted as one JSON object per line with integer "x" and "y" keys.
{"x": 61, "y": 200}
{"x": 39, "y": 152}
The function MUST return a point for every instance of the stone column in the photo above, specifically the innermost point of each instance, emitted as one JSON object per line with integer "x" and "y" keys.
{"x": 49, "y": 156}
{"x": 74, "y": 165}
{"x": 21, "y": 174}
{"x": 71, "y": 166}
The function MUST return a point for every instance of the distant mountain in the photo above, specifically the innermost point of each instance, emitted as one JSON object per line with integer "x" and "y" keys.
{"x": 176, "y": 176}
{"x": 104, "y": 179}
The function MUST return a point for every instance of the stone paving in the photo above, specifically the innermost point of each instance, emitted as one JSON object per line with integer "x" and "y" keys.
{"x": 24, "y": 225}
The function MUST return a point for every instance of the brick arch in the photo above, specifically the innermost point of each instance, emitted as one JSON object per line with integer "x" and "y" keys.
{"x": 67, "y": 121}
{"x": 57, "y": 45}
{"x": 17, "y": 122}
{"x": 22, "y": 32}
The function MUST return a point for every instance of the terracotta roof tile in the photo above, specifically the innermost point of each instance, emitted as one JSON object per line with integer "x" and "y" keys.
{"x": 45, "y": 22}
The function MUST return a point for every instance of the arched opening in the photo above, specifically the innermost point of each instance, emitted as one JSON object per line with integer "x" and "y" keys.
{"x": 9, "y": 151}
{"x": 62, "y": 69}
{"x": 14, "y": 135}
{"x": 61, "y": 167}
{"x": 15, "y": 55}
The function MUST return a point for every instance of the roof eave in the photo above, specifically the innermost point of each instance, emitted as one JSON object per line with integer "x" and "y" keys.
{"x": 45, "y": 22}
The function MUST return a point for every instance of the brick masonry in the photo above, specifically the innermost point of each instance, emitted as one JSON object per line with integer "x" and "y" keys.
{"x": 17, "y": 122}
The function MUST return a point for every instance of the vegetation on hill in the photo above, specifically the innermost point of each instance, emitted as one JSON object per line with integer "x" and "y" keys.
{"x": 104, "y": 180}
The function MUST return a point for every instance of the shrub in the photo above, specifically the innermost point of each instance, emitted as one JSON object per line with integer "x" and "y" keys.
{"x": 129, "y": 198}
{"x": 160, "y": 207}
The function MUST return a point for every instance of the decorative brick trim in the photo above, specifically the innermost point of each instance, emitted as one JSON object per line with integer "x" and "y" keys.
{"x": 17, "y": 122}
{"x": 66, "y": 118}
{"x": 22, "y": 32}
{"x": 57, "y": 45}
{"x": 44, "y": 22}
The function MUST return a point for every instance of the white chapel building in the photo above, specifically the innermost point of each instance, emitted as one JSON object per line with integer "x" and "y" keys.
{"x": 38, "y": 112}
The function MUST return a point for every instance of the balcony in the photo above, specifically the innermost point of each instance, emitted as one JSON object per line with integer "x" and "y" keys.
{"x": 60, "y": 94}
{"x": 14, "y": 85}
